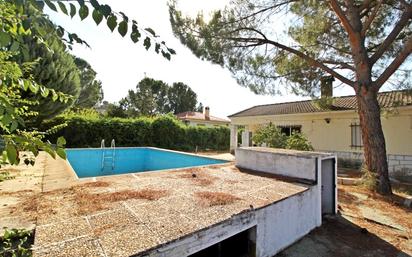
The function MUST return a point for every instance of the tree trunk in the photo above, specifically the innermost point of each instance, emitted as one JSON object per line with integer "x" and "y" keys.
{"x": 373, "y": 139}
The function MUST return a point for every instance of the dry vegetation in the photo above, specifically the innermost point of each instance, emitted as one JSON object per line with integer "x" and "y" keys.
{"x": 78, "y": 200}
{"x": 216, "y": 198}
{"x": 387, "y": 205}
{"x": 198, "y": 177}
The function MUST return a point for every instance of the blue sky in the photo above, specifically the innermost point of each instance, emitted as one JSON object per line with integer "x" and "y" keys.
{"x": 121, "y": 64}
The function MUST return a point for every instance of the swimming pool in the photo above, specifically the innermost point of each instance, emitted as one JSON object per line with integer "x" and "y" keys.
{"x": 93, "y": 162}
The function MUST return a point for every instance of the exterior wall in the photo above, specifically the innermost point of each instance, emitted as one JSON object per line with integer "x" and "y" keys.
{"x": 302, "y": 166}
{"x": 283, "y": 223}
{"x": 277, "y": 226}
{"x": 335, "y": 136}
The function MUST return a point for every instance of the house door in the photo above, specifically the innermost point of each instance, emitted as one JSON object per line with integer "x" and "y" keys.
{"x": 328, "y": 186}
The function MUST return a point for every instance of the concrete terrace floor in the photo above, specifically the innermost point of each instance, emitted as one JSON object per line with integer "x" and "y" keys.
{"x": 128, "y": 214}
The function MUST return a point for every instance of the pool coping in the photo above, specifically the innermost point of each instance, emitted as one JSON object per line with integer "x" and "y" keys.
{"x": 149, "y": 171}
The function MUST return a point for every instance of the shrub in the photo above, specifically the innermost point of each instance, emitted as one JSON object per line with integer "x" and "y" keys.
{"x": 298, "y": 141}
{"x": 163, "y": 131}
{"x": 271, "y": 136}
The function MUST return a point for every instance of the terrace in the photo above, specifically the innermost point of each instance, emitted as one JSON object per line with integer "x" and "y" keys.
{"x": 178, "y": 212}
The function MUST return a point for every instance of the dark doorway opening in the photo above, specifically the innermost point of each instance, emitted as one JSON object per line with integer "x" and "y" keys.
{"x": 240, "y": 245}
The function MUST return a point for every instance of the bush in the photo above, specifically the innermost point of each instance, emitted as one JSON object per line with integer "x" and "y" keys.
{"x": 163, "y": 131}
{"x": 298, "y": 141}
{"x": 273, "y": 137}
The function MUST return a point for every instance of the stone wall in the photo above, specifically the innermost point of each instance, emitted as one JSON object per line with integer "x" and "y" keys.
{"x": 400, "y": 166}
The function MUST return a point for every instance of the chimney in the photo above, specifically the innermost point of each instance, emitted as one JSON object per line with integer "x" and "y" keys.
{"x": 206, "y": 112}
{"x": 326, "y": 88}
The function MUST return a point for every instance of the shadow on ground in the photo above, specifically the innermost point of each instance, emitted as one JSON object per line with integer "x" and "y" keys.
{"x": 339, "y": 237}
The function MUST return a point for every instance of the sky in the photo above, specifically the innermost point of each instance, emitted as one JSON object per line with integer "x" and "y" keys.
{"x": 120, "y": 64}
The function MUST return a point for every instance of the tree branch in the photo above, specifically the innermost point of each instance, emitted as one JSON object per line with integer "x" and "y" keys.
{"x": 341, "y": 15}
{"x": 406, "y": 16}
{"x": 311, "y": 61}
{"x": 403, "y": 54}
{"x": 261, "y": 11}
{"x": 370, "y": 19}
{"x": 342, "y": 64}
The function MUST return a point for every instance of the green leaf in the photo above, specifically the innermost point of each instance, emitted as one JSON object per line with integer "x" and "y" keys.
{"x": 62, "y": 7}
{"x": 122, "y": 28}
{"x": 26, "y": 85}
{"x": 6, "y": 119}
{"x": 55, "y": 96}
{"x": 61, "y": 141}
{"x": 105, "y": 10}
{"x": 34, "y": 87}
{"x": 95, "y": 4}
{"x": 157, "y": 47}
{"x": 147, "y": 43}
{"x": 171, "y": 51}
{"x": 61, "y": 153}
{"x": 135, "y": 35}
{"x": 166, "y": 55}
{"x": 4, "y": 39}
{"x": 44, "y": 91}
{"x": 83, "y": 12}
{"x": 15, "y": 46}
{"x": 50, "y": 151}
{"x": 151, "y": 31}
{"x": 50, "y": 5}
{"x": 39, "y": 5}
{"x": 72, "y": 10}
{"x": 112, "y": 22}
{"x": 13, "y": 126}
{"x": 97, "y": 16}
{"x": 11, "y": 153}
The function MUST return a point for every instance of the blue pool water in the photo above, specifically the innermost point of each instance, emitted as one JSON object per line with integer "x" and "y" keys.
{"x": 90, "y": 162}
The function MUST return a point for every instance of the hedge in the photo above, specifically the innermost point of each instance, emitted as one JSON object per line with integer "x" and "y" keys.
{"x": 162, "y": 131}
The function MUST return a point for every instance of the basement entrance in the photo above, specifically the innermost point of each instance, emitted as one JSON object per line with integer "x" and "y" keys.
{"x": 328, "y": 177}
{"x": 242, "y": 244}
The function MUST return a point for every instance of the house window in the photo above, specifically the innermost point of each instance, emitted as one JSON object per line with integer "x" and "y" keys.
{"x": 356, "y": 135}
{"x": 288, "y": 130}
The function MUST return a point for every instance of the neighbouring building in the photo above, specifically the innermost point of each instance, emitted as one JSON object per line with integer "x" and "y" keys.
{"x": 334, "y": 127}
{"x": 202, "y": 119}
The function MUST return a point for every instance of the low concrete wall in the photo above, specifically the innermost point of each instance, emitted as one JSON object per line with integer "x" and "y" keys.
{"x": 283, "y": 223}
{"x": 289, "y": 163}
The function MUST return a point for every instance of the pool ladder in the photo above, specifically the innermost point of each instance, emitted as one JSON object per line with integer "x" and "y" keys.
{"x": 108, "y": 157}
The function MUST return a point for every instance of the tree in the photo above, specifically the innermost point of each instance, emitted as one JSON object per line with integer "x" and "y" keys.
{"x": 150, "y": 98}
{"x": 115, "y": 110}
{"x": 55, "y": 68}
{"x": 361, "y": 43}
{"x": 156, "y": 97}
{"x": 181, "y": 98}
{"x": 17, "y": 77}
{"x": 91, "y": 91}
{"x": 199, "y": 107}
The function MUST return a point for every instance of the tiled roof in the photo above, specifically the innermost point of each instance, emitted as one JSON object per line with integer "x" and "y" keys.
{"x": 343, "y": 103}
{"x": 199, "y": 116}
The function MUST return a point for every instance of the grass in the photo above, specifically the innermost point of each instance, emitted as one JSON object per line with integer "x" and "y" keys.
{"x": 216, "y": 198}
